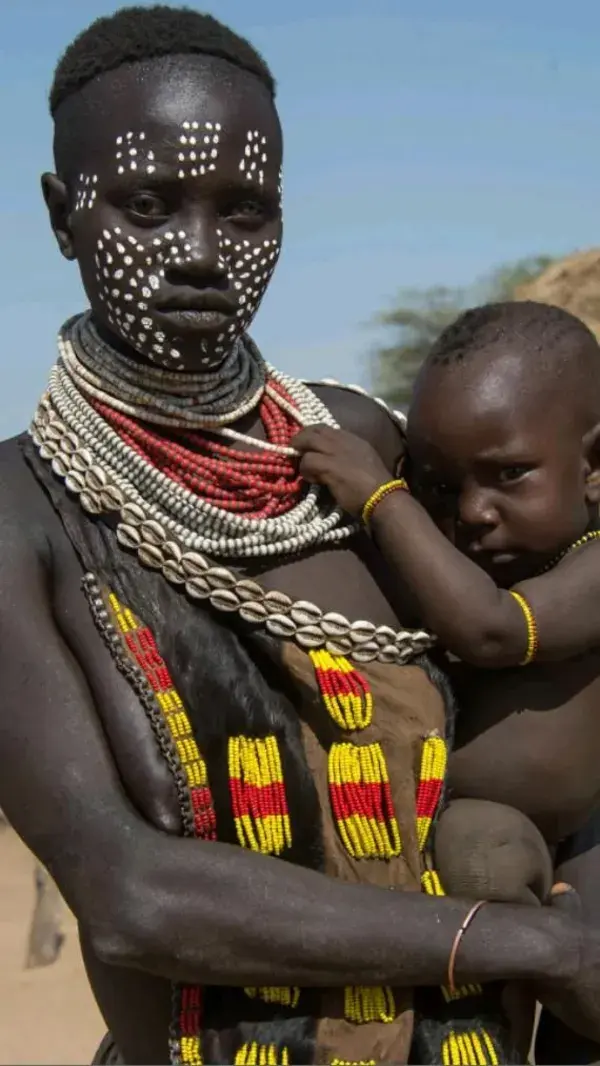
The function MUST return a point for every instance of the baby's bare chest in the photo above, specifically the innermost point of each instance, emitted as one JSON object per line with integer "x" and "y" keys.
{"x": 530, "y": 738}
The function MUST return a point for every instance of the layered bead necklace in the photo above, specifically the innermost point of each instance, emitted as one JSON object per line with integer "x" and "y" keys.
{"x": 96, "y": 424}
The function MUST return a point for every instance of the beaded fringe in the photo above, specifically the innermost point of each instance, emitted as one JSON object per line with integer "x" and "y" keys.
{"x": 473, "y": 1048}
{"x": 472, "y": 1044}
{"x": 362, "y": 804}
{"x": 262, "y": 1055}
{"x": 258, "y": 795}
{"x": 186, "y": 1026}
{"x": 142, "y": 645}
{"x": 360, "y": 1062}
{"x": 363, "y": 808}
{"x": 262, "y": 821}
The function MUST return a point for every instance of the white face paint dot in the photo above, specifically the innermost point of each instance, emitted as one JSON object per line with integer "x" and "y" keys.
{"x": 188, "y": 154}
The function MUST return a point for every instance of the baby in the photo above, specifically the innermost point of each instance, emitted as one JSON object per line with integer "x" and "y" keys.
{"x": 495, "y": 537}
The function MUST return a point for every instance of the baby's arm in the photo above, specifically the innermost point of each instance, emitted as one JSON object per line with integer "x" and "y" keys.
{"x": 472, "y": 617}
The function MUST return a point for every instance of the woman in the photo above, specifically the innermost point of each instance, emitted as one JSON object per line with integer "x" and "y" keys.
{"x": 185, "y": 711}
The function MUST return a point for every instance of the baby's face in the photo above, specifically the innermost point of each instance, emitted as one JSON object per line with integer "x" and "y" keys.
{"x": 498, "y": 465}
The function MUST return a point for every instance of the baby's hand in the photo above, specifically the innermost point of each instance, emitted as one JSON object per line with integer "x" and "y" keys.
{"x": 350, "y": 467}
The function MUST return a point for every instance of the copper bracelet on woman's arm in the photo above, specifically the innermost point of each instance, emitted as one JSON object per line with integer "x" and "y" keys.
{"x": 457, "y": 942}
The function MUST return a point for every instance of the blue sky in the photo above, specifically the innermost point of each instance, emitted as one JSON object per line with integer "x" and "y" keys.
{"x": 426, "y": 142}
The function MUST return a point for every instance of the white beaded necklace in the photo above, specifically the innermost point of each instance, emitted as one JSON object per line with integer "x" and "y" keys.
{"x": 171, "y": 529}
{"x": 129, "y": 477}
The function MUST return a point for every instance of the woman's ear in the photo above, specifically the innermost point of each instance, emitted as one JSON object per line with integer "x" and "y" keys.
{"x": 57, "y": 202}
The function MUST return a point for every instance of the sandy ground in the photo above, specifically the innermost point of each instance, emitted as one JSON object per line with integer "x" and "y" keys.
{"x": 47, "y": 1016}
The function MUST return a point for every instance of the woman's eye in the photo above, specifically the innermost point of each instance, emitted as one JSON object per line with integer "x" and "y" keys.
{"x": 251, "y": 212}
{"x": 148, "y": 205}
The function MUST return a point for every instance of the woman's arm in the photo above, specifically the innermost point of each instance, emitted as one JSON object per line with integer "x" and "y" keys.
{"x": 578, "y": 864}
{"x": 196, "y": 911}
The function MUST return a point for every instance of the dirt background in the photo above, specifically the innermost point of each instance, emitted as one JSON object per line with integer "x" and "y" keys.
{"x": 47, "y": 1015}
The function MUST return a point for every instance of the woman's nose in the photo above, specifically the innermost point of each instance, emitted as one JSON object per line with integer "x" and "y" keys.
{"x": 198, "y": 255}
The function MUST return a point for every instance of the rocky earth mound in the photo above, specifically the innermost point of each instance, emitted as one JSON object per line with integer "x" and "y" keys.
{"x": 572, "y": 283}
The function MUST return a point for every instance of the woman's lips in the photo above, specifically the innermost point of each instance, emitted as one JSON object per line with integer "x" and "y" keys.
{"x": 191, "y": 320}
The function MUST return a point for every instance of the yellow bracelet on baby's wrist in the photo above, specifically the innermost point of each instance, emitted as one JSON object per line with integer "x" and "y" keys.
{"x": 533, "y": 640}
{"x": 397, "y": 485}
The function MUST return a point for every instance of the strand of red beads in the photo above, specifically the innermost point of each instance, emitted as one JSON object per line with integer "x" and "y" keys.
{"x": 258, "y": 484}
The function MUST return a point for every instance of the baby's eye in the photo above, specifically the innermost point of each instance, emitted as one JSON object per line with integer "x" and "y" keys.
{"x": 435, "y": 494}
{"x": 509, "y": 474}
{"x": 439, "y": 489}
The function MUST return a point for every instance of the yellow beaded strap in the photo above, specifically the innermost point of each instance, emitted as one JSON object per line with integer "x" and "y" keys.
{"x": 397, "y": 485}
{"x": 533, "y": 642}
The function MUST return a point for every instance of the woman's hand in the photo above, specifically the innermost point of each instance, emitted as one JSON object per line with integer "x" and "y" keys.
{"x": 576, "y": 1001}
{"x": 347, "y": 465}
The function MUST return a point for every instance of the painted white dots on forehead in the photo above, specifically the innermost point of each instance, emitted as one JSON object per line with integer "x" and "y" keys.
{"x": 198, "y": 148}
{"x": 86, "y": 192}
{"x": 254, "y": 159}
{"x": 133, "y": 154}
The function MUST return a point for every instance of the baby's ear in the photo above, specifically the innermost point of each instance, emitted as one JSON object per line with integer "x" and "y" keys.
{"x": 591, "y": 458}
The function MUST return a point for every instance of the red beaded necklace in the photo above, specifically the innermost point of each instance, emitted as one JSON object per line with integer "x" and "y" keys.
{"x": 257, "y": 484}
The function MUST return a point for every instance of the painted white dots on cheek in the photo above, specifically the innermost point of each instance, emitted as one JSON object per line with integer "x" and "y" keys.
{"x": 249, "y": 269}
{"x": 129, "y": 274}
{"x": 255, "y": 158}
{"x": 132, "y": 153}
{"x": 198, "y": 148}
{"x": 86, "y": 191}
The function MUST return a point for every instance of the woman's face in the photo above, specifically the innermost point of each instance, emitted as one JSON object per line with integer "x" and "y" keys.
{"x": 174, "y": 208}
